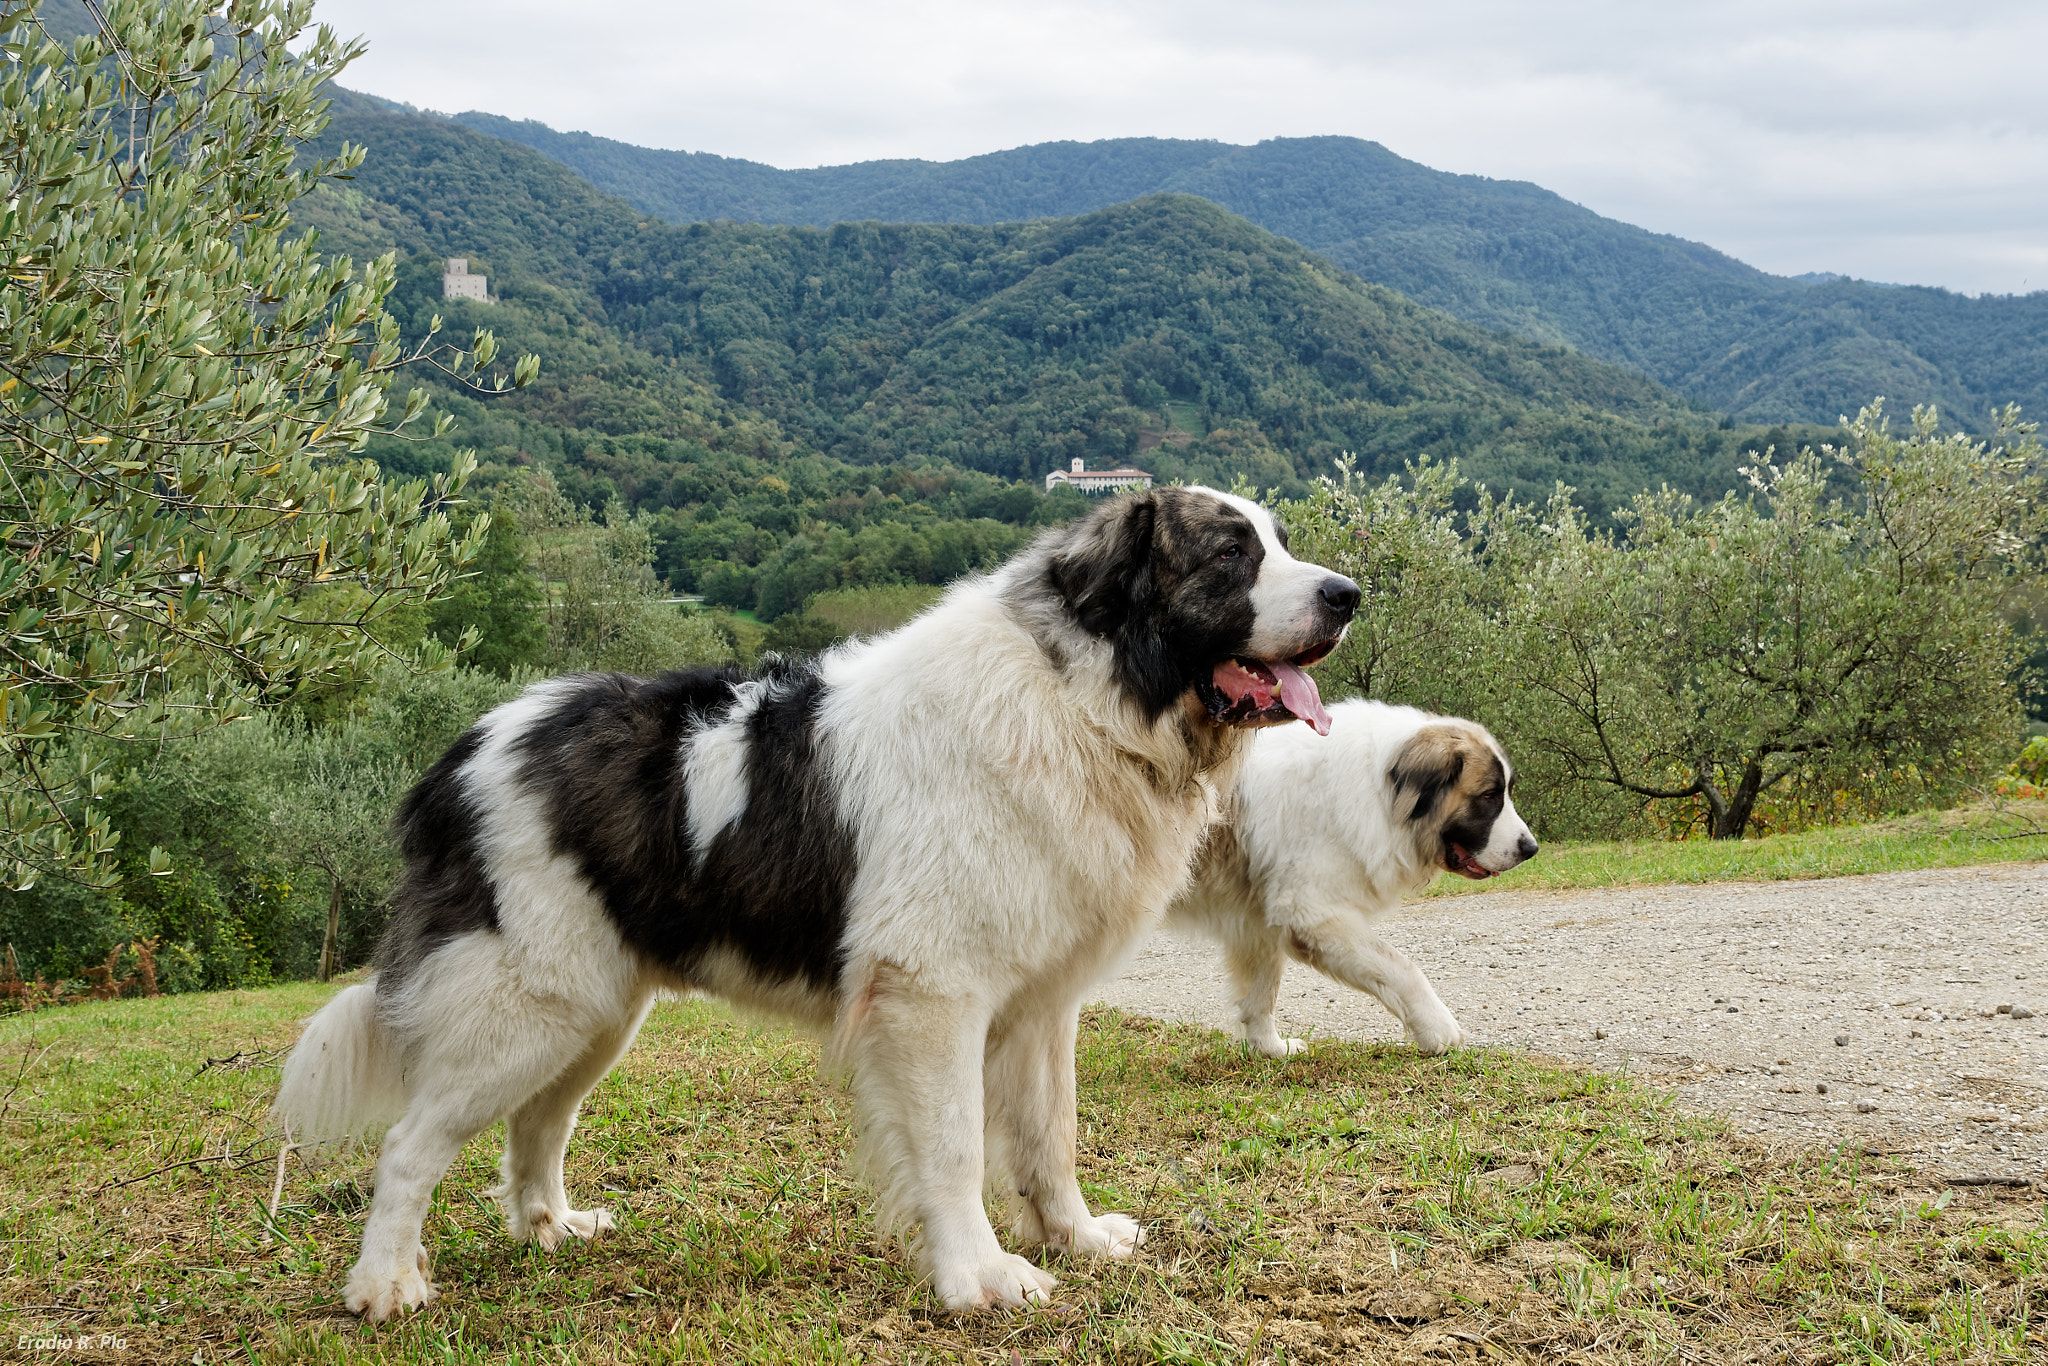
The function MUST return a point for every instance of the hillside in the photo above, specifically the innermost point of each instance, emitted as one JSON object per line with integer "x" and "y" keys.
{"x": 1501, "y": 254}
{"x": 1163, "y": 328}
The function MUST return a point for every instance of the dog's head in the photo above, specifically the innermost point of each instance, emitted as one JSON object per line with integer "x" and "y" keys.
{"x": 1201, "y": 602}
{"x": 1454, "y": 788}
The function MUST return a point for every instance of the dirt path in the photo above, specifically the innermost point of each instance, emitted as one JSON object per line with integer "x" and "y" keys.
{"x": 1747, "y": 998}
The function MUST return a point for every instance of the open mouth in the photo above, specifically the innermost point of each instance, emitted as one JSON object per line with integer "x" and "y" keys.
{"x": 1457, "y": 859}
{"x": 1255, "y": 692}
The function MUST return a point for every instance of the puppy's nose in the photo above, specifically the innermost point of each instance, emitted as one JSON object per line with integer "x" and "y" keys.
{"x": 1526, "y": 847}
{"x": 1340, "y": 595}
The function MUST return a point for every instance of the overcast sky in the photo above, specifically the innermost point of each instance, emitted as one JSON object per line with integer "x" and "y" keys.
{"x": 1888, "y": 140}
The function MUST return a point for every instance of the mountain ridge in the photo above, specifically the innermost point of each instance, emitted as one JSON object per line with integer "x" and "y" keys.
{"x": 1164, "y": 324}
{"x": 1499, "y": 253}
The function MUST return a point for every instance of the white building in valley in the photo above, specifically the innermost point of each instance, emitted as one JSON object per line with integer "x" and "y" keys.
{"x": 458, "y": 283}
{"x": 1097, "y": 481}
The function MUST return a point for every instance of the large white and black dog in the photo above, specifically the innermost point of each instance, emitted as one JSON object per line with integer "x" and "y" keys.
{"x": 1317, "y": 839}
{"x": 931, "y": 843}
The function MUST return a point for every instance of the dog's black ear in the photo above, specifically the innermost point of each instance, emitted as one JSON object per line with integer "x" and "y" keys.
{"x": 1104, "y": 571}
{"x": 1106, "y": 576}
{"x": 1426, "y": 768}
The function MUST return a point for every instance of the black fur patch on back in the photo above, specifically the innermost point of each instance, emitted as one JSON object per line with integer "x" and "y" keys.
{"x": 445, "y": 890}
{"x": 607, "y": 763}
{"x": 775, "y": 881}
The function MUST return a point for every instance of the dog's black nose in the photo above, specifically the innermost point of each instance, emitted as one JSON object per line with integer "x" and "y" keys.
{"x": 1526, "y": 847}
{"x": 1340, "y": 595}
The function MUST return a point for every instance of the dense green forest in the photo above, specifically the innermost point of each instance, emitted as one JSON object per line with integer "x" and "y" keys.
{"x": 1503, "y": 254}
{"x": 804, "y": 409}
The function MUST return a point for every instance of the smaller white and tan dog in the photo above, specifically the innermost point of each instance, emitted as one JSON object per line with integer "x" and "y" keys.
{"x": 1319, "y": 836}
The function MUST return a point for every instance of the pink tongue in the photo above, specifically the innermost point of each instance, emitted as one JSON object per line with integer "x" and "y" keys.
{"x": 1470, "y": 864}
{"x": 1298, "y": 694}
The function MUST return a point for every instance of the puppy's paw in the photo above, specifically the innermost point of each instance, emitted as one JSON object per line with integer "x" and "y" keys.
{"x": 1115, "y": 1236}
{"x": 1269, "y": 1043}
{"x": 1002, "y": 1280}
{"x": 1435, "y": 1032}
{"x": 379, "y": 1294}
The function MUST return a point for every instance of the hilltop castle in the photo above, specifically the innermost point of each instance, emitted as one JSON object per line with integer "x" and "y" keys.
{"x": 458, "y": 283}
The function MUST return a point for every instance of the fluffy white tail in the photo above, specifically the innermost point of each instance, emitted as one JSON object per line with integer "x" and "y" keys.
{"x": 343, "y": 1077}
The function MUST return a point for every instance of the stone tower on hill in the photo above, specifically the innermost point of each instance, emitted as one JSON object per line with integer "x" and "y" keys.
{"x": 458, "y": 283}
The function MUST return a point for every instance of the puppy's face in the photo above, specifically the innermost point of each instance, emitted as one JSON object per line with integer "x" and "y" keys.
{"x": 1200, "y": 599}
{"x": 1454, "y": 787}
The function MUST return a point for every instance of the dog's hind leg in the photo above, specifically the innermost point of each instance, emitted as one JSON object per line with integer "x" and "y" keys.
{"x": 1340, "y": 946}
{"x": 537, "y": 1138}
{"x": 1256, "y": 960}
{"x": 1030, "y": 1089}
{"x": 477, "y": 1046}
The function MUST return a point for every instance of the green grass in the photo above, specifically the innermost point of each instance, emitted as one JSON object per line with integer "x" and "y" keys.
{"x": 1360, "y": 1203}
{"x": 2008, "y": 832}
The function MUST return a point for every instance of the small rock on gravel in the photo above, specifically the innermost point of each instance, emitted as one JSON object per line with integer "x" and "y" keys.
{"x": 1841, "y": 1040}
{"x": 2022, "y": 1013}
{"x": 1864, "y": 1107}
{"x": 2005, "y": 1008}
{"x": 1820, "y": 1087}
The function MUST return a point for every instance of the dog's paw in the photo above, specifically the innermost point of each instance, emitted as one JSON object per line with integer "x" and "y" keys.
{"x": 1436, "y": 1032}
{"x": 1000, "y": 1281}
{"x": 379, "y": 1294}
{"x": 1116, "y": 1236}
{"x": 1269, "y": 1043}
{"x": 551, "y": 1228}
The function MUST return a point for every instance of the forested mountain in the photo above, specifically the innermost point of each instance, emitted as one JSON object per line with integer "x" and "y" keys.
{"x": 1502, "y": 254}
{"x": 1164, "y": 327}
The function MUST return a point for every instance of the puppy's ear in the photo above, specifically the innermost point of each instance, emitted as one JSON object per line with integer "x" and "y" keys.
{"x": 1104, "y": 571}
{"x": 1427, "y": 767}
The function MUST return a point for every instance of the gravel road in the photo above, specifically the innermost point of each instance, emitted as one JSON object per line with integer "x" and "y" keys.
{"x": 1905, "y": 1013}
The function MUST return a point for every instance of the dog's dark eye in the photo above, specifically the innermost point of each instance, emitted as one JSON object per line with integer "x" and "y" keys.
{"x": 1233, "y": 551}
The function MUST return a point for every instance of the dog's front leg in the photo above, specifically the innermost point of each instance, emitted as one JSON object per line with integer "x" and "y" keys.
{"x": 1031, "y": 1117}
{"x": 918, "y": 1061}
{"x": 1340, "y": 946}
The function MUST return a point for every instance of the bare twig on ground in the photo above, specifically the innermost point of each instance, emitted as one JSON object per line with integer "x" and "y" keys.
{"x": 239, "y": 1062}
{"x": 28, "y": 1055}
{"x": 226, "y": 1154}
{"x": 1991, "y": 1179}
{"x": 284, "y": 1150}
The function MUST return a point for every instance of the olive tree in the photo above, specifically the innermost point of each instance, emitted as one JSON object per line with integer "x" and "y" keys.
{"x": 187, "y": 526}
{"x": 1842, "y": 649}
{"x": 1831, "y": 640}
